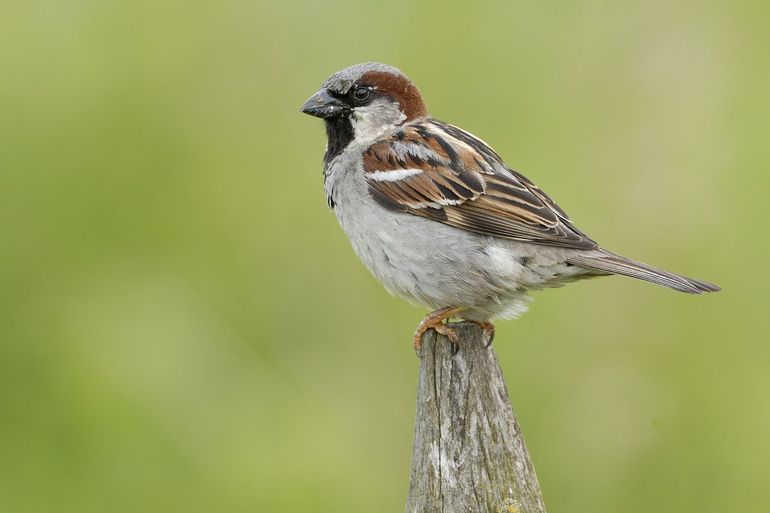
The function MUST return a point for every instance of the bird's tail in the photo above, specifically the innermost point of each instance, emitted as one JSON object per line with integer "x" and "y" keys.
{"x": 610, "y": 263}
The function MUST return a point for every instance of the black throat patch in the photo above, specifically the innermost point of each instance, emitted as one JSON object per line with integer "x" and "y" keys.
{"x": 339, "y": 132}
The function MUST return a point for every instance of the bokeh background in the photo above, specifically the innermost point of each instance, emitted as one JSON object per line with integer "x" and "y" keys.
{"x": 183, "y": 326}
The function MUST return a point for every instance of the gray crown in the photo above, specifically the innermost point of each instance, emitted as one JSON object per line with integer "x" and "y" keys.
{"x": 342, "y": 81}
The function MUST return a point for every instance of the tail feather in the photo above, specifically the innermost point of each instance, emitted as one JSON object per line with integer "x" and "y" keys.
{"x": 610, "y": 263}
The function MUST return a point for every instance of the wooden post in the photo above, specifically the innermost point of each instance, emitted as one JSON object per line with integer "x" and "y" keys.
{"x": 469, "y": 454}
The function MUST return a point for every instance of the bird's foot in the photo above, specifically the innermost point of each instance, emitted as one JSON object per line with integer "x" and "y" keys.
{"x": 488, "y": 329}
{"x": 435, "y": 320}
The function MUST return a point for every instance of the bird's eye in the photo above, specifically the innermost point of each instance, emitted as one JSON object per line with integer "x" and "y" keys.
{"x": 361, "y": 93}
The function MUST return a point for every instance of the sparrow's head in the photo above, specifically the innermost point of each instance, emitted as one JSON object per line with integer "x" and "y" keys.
{"x": 364, "y": 102}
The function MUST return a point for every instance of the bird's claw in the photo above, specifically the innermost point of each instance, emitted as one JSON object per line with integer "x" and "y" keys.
{"x": 435, "y": 320}
{"x": 488, "y": 330}
{"x": 489, "y": 334}
{"x": 449, "y": 332}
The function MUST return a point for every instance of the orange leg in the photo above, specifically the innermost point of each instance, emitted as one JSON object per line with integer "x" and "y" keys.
{"x": 436, "y": 320}
{"x": 489, "y": 330}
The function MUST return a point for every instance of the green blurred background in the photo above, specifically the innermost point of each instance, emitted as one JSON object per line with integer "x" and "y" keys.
{"x": 185, "y": 328}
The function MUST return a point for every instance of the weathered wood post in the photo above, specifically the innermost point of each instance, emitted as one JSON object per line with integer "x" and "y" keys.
{"x": 469, "y": 454}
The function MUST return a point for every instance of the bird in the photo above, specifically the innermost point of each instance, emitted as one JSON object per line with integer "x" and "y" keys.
{"x": 437, "y": 216}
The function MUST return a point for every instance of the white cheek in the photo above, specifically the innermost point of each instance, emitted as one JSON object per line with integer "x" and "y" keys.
{"x": 368, "y": 125}
{"x": 373, "y": 121}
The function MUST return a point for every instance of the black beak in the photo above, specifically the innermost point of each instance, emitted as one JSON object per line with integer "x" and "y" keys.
{"x": 324, "y": 105}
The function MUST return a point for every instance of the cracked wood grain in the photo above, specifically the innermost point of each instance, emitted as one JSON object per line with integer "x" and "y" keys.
{"x": 469, "y": 454}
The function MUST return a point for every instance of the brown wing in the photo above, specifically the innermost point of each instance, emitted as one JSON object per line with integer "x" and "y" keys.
{"x": 441, "y": 172}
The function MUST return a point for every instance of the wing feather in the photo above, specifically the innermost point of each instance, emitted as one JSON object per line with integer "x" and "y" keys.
{"x": 441, "y": 172}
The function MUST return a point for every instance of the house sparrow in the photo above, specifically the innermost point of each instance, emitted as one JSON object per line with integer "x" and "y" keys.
{"x": 437, "y": 216}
